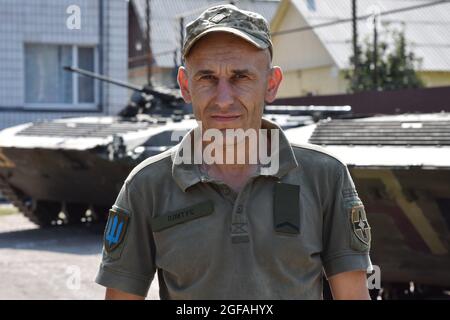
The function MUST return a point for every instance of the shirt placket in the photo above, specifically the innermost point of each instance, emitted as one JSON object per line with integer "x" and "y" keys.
{"x": 239, "y": 223}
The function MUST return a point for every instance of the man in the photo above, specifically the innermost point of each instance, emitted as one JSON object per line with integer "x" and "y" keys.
{"x": 236, "y": 230}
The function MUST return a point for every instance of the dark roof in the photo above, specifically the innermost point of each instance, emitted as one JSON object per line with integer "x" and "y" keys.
{"x": 396, "y": 131}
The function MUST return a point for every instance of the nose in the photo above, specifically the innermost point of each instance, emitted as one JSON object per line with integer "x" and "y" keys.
{"x": 225, "y": 96}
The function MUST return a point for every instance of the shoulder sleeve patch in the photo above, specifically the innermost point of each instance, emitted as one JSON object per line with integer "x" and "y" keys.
{"x": 115, "y": 230}
{"x": 361, "y": 236}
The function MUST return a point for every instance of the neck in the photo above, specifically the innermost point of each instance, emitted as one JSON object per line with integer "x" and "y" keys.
{"x": 235, "y": 171}
{"x": 235, "y": 176}
{"x": 232, "y": 170}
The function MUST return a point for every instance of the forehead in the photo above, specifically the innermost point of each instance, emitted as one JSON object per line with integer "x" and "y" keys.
{"x": 220, "y": 47}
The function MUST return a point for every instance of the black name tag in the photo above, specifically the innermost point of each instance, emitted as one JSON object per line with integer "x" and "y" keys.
{"x": 183, "y": 215}
{"x": 286, "y": 208}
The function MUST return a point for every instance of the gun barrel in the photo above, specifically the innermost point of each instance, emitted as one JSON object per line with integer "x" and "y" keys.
{"x": 301, "y": 110}
{"x": 103, "y": 78}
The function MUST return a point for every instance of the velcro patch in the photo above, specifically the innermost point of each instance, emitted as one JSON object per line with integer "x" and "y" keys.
{"x": 218, "y": 17}
{"x": 349, "y": 193}
{"x": 183, "y": 215}
{"x": 286, "y": 208}
{"x": 360, "y": 227}
{"x": 116, "y": 229}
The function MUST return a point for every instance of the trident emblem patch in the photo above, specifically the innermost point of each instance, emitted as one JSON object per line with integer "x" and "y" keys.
{"x": 115, "y": 229}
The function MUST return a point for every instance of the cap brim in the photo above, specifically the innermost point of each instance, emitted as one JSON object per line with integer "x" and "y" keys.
{"x": 245, "y": 36}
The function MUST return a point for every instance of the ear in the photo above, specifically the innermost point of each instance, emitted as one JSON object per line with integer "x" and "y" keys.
{"x": 275, "y": 77}
{"x": 182, "y": 79}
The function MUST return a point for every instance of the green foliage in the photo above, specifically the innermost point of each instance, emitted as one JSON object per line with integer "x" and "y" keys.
{"x": 395, "y": 67}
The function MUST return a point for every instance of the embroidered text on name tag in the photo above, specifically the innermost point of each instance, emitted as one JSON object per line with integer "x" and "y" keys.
{"x": 183, "y": 215}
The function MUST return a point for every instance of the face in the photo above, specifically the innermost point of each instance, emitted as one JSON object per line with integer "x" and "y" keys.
{"x": 228, "y": 81}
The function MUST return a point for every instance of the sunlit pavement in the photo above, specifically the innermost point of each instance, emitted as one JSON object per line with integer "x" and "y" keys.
{"x": 54, "y": 263}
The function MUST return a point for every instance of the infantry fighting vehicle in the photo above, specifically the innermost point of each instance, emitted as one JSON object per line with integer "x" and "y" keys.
{"x": 401, "y": 168}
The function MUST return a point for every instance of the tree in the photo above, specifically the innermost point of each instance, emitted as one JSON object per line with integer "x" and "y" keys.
{"x": 387, "y": 68}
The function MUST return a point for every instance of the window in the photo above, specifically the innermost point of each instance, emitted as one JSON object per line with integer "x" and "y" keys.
{"x": 86, "y": 85}
{"x": 311, "y": 5}
{"x": 49, "y": 86}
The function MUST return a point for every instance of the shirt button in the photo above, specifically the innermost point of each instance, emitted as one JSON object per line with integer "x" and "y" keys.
{"x": 226, "y": 190}
{"x": 239, "y": 209}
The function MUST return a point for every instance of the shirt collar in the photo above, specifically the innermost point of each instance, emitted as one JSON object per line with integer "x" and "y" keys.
{"x": 188, "y": 174}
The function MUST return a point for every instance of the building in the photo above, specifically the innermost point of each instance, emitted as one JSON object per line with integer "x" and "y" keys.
{"x": 39, "y": 37}
{"x": 167, "y": 19}
{"x": 314, "y": 61}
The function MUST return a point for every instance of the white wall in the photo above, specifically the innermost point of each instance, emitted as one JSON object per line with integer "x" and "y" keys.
{"x": 44, "y": 21}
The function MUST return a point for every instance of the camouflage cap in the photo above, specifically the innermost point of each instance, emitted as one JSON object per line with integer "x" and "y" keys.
{"x": 247, "y": 25}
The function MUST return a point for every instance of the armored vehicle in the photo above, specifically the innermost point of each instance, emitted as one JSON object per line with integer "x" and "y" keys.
{"x": 401, "y": 168}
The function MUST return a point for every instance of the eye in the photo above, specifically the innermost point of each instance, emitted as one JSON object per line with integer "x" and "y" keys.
{"x": 208, "y": 77}
{"x": 240, "y": 76}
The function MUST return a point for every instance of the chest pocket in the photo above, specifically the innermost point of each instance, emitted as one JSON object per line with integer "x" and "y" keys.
{"x": 181, "y": 216}
{"x": 286, "y": 208}
{"x": 182, "y": 243}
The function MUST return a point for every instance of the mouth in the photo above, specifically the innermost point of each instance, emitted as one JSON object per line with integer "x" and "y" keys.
{"x": 225, "y": 117}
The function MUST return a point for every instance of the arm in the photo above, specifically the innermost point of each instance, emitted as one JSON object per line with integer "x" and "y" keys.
{"x": 115, "y": 294}
{"x": 128, "y": 248}
{"x": 346, "y": 241}
{"x": 350, "y": 285}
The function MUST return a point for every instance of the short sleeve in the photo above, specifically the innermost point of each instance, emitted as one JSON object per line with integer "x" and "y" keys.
{"x": 346, "y": 231}
{"x": 128, "y": 246}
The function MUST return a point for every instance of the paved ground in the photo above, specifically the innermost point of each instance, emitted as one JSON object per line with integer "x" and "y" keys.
{"x": 55, "y": 263}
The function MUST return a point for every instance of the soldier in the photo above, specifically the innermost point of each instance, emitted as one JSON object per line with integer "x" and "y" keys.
{"x": 236, "y": 230}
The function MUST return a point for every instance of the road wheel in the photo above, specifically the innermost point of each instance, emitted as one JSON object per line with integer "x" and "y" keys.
{"x": 75, "y": 212}
{"x": 45, "y": 213}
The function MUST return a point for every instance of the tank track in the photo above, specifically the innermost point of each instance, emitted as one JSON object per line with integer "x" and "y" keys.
{"x": 38, "y": 215}
{"x": 9, "y": 193}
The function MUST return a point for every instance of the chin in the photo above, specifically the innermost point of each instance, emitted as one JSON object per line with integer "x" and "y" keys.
{"x": 226, "y": 125}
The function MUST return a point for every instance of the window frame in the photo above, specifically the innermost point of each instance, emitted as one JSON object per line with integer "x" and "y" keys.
{"x": 75, "y": 105}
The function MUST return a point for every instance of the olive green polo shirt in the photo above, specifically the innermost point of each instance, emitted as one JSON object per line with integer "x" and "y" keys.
{"x": 273, "y": 240}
